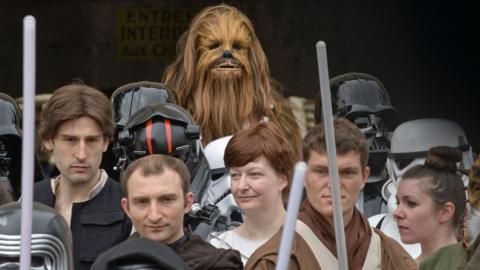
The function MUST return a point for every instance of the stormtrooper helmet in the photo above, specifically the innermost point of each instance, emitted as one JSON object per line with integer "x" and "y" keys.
{"x": 412, "y": 140}
{"x": 218, "y": 192}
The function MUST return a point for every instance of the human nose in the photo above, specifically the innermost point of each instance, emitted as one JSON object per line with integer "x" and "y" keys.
{"x": 81, "y": 151}
{"x": 243, "y": 183}
{"x": 154, "y": 213}
{"x": 399, "y": 213}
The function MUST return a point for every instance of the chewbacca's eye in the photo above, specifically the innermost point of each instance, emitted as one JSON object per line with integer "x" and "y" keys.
{"x": 236, "y": 46}
{"x": 214, "y": 46}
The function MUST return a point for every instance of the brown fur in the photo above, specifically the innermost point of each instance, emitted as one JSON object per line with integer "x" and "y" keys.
{"x": 226, "y": 100}
{"x": 472, "y": 220}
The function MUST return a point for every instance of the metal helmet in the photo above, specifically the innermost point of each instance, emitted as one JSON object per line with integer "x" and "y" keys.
{"x": 358, "y": 94}
{"x": 139, "y": 254}
{"x": 364, "y": 100}
{"x": 11, "y": 147}
{"x": 51, "y": 247}
{"x": 165, "y": 128}
{"x": 129, "y": 98}
{"x": 126, "y": 100}
{"x": 162, "y": 129}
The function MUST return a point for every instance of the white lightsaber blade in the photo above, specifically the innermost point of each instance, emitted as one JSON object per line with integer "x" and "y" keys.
{"x": 294, "y": 200}
{"x": 332, "y": 155}
{"x": 29, "y": 28}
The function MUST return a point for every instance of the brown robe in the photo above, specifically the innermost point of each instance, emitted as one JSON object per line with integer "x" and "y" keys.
{"x": 357, "y": 235}
{"x": 198, "y": 254}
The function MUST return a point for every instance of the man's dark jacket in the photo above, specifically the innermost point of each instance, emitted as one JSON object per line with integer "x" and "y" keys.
{"x": 96, "y": 224}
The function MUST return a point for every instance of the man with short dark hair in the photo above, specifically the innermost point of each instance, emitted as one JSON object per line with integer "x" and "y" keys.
{"x": 157, "y": 197}
{"x": 314, "y": 244}
{"x": 76, "y": 127}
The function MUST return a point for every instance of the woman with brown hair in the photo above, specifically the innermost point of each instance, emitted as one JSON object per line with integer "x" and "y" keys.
{"x": 260, "y": 161}
{"x": 431, "y": 202}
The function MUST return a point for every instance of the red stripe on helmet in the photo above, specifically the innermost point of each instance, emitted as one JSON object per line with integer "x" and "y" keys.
{"x": 168, "y": 132}
{"x": 149, "y": 136}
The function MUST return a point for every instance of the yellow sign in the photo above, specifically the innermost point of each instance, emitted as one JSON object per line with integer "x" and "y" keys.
{"x": 150, "y": 33}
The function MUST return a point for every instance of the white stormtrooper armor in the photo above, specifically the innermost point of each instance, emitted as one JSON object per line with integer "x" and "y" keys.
{"x": 218, "y": 192}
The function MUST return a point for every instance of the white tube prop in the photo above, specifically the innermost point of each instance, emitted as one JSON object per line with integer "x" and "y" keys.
{"x": 332, "y": 155}
{"x": 29, "y": 28}
{"x": 294, "y": 200}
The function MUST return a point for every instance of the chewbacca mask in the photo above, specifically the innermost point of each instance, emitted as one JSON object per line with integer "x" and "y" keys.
{"x": 221, "y": 76}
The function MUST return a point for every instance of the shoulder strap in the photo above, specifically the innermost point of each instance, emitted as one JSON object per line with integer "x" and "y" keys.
{"x": 324, "y": 257}
{"x": 374, "y": 253}
{"x": 327, "y": 260}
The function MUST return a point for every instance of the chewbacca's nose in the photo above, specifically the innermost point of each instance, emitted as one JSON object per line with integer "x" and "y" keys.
{"x": 227, "y": 54}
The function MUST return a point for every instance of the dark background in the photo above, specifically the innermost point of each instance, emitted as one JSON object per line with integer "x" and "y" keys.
{"x": 424, "y": 52}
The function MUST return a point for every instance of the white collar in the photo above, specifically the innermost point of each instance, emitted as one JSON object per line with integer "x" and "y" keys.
{"x": 93, "y": 192}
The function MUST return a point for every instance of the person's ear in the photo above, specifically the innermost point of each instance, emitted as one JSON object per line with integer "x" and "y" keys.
{"x": 48, "y": 143}
{"x": 446, "y": 213}
{"x": 188, "y": 202}
{"x": 106, "y": 141}
{"x": 365, "y": 175}
{"x": 283, "y": 182}
{"x": 125, "y": 206}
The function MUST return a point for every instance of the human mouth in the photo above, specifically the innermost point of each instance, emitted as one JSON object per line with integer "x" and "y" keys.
{"x": 329, "y": 198}
{"x": 80, "y": 168}
{"x": 245, "y": 198}
{"x": 156, "y": 228}
{"x": 402, "y": 228}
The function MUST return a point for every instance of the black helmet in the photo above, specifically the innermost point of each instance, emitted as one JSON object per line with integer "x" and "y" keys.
{"x": 131, "y": 97}
{"x": 161, "y": 129}
{"x": 11, "y": 146}
{"x": 51, "y": 247}
{"x": 126, "y": 100}
{"x": 165, "y": 128}
{"x": 139, "y": 254}
{"x": 364, "y": 100}
{"x": 358, "y": 94}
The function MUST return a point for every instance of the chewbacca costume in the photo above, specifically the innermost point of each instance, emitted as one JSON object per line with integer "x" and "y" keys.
{"x": 221, "y": 76}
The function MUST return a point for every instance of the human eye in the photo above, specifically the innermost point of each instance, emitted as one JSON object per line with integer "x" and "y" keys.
{"x": 348, "y": 173}
{"x": 93, "y": 139}
{"x": 70, "y": 140}
{"x": 168, "y": 199}
{"x": 256, "y": 174}
{"x": 320, "y": 171}
{"x": 140, "y": 202}
{"x": 234, "y": 176}
{"x": 411, "y": 204}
